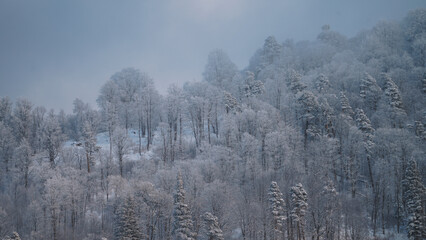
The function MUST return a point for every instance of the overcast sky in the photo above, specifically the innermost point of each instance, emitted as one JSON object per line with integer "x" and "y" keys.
{"x": 52, "y": 52}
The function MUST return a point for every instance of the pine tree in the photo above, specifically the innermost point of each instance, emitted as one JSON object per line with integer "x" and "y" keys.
{"x": 414, "y": 193}
{"x": 364, "y": 125}
{"x": 309, "y": 114}
{"x": 299, "y": 201}
{"x": 182, "y": 223}
{"x": 252, "y": 87}
{"x": 322, "y": 83}
{"x": 271, "y": 50}
{"x": 346, "y": 107}
{"x": 293, "y": 82}
{"x": 395, "y": 101}
{"x": 211, "y": 228}
{"x": 370, "y": 92}
{"x": 126, "y": 223}
{"x": 276, "y": 207}
{"x": 231, "y": 103}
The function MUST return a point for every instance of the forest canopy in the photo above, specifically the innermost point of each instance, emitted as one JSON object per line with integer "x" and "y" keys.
{"x": 319, "y": 139}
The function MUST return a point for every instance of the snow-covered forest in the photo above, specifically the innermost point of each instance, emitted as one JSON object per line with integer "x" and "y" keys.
{"x": 319, "y": 139}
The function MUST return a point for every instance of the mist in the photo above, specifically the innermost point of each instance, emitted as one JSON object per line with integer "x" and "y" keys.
{"x": 55, "y": 51}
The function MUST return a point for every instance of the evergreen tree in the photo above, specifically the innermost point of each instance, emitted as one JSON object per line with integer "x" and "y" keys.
{"x": 364, "y": 125}
{"x": 414, "y": 194}
{"x": 299, "y": 201}
{"x": 293, "y": 82}
{"x": 252, "y": 87}
{"x": 276, "y": 207}
{"x": 346, "y": 107}
{"x": 322, "y": 83}
{"x": 395, "y": 102}
{"x": 309, "y": 114}
{"x": 211, "y": 228}
{"x": 271, "y": 50}
{"x": 182, "y": 221}
{"x": 231, "y": 103}
{"x": 126, "y": 223}
{"x": 370, "y": 92}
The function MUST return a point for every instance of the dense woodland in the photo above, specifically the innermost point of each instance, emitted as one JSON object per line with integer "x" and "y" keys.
{"x": 319, "y": 139}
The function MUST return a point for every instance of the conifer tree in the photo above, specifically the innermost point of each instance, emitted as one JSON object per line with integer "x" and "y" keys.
{"x": 346, "y": 107}
{"x": 414, "y": 194}
{"x": 364, "y": 125}
{"x": 299, "y": 201}
{"x": 370, "y": 92}
{"x": 395, "y": 102}
{"x": 126, "y": 223}
{"x": 252, "y": 87}
{"x": 182, "y": 221}
{"x": 211, "y": 228}
{"x": 293, "y": 82}
{"x": 276, "y": 207}
{"x": 322, "y": 83}
{"x": 231, "y": 103}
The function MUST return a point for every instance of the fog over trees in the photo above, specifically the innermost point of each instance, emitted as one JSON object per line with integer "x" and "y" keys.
{"x": 319, "y": 139}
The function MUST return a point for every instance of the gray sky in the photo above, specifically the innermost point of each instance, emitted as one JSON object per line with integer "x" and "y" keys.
{"x": 53, "y": 51}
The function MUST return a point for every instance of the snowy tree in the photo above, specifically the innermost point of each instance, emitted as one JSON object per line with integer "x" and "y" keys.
{"x": 294, "y": 83}
{"x": 345, "y": 106}
{"x": 370, "y": 92}
{"x": 7, "y": 144}
{"x": 252, "y": 87}
{"x": 324, "y": 210}
{"x": 53, "y": 137}
{"x": 395, "y": 102}
{"x": 331, "y": 37}
{"x": 211, "y": 227}
{"x": 299, "y": 202}
{"x": 23, "y": 160}
{"x": 108, "y": 101}
{"x": 5, "y": 110}
{"x": 267, "y": 55}
{"x": 219, "y": 70}
{"x": 149, "y": 100}
{"x": 309, "y": 114}
{"x": 89, "y": 138}
{"x": 271, "y": 50}
{"x": 364, "y": 125}
{"x": 126, "y": 226}
{"x": 121, "y": 145}
{"x": 128, "y": 82}
{"x": 414, "y": 194}
{"x": 175, "y": 104}
{"x": 276, "y": 208}
{"x": 322, "y": 83}
{"x": 275, "y": 85}
{"x": 182, "y": 220}
{"x": 22, "y": 119}
{"x": 231, "y": 103}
